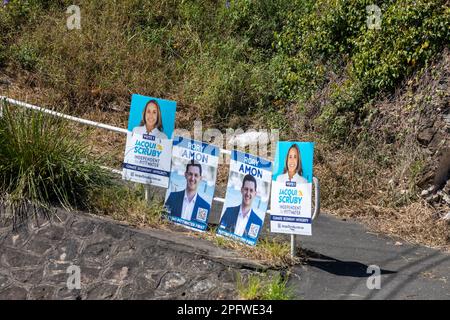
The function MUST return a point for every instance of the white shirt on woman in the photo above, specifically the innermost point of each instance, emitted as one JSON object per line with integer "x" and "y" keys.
{"x": 283, "y": 178}
{"x": 155, "y": 132}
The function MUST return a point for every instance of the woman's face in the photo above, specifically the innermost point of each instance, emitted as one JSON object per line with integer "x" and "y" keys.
{"x": 292, "y": 160}
{"x": 151, "y": 116}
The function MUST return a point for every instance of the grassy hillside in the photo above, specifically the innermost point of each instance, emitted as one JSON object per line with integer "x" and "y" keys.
{"x": 311, "y": 68}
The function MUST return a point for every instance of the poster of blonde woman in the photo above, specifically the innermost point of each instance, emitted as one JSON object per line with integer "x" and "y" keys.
{"x": 290, "y": 200}
{"x": 149, "y": 141}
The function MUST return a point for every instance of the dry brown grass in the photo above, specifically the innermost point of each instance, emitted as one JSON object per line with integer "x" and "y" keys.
{"x": 272, "y": 252}
{"x": 382, "y": 198}
{"x": 379, "y": 180}
{"x": 126, "y": 204}
{"x": 415, "y": 223}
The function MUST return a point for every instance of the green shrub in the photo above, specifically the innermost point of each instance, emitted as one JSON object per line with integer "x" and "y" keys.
{"x": 412, "y": 32}
{"x": 332, "y": 36}
{"x": 252, "y": 58}
{"x": 42, "y": 164}
{"x": 27, "y": 56}
{"x": 3, "y": 55}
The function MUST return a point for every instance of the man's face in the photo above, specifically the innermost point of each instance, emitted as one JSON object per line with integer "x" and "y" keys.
{"x": 248, "y": 191}
{"x": 193, "y": 178}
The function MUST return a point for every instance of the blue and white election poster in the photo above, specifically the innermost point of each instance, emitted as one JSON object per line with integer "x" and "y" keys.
{"x": 149, "y": 141}
{"x": 192, "y": 182}
{"x": 247, "y": 197}
{"x": 290, "y": 203}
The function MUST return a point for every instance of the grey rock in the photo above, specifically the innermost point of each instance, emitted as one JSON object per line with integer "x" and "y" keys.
{"x": 55, "y": 233}
{"x": 19, "y": 259}
{"x": 122, "y": 270}
{"x": 27, "y": 275}
{"x": 436, "y": 197}
{"x": 127, "y": 292}
{"x": 17, "y": 238}
{"x": 13, "y": 293}
{"x": 42, "y": 292}
{"x": 63, "y": 293}
{"x": 56, "y": 273}
{"x": 116, "y": 262}
{"x": 426, "y": 135}
{"x": 102, "y": 291}
{"x": 89, "y": 274}
{"x": 113, "y": 231}
{"x": 66, "y": 251}
{"x": 82, "y": 228}
{"x": 172, "y": 281}
{"x": 446, "y": 217}
{"x": 39, "y": 247}
{"x": 3, "y": 281}
{"x": 98, "y": 252}
{"x": 149, "y": 278}
{"x": 202, "y": 286}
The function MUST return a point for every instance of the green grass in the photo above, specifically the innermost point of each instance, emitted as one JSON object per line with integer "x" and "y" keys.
{"x": 250, "y": 289}
{"x": 125, "y": 202}
{"x": 43, "y": 164}
{"x": 277, "y": 289}
{"x": 264, "y": 287}
{"x": 276, "y": 251}
{"x": 226, "y": 65}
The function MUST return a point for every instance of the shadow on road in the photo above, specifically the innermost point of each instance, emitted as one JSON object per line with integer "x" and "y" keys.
{"x": 339, "y": 267}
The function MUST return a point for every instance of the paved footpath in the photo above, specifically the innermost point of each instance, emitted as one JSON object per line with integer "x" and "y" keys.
{"x": 342, "y": 252}
{"x": 115, "y": 261}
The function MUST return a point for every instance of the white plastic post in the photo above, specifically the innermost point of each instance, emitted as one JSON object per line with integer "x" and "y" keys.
{"x": 147, "y": 193}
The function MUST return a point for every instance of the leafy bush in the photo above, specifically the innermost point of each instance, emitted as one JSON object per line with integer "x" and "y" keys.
{"x": 227, "y": 63}
{"x": 332, "y": 36}
{"x": 42, "y": 164}
{"x": 27, "y": 56}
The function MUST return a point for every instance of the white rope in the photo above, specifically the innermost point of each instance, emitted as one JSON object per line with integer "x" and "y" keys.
{"x": 62, "y": 115}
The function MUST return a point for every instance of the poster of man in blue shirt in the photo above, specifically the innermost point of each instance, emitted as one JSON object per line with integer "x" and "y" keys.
{"x": 192, "y": 182}
{"x": 247, "y": 197}
{"x": 183, "y": 204}
{"x": 240, "y": 219}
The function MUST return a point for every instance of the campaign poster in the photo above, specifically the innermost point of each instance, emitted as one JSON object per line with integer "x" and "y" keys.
{"x": 247, "y": 197}
{"x": 290, "y": 203}
{"x": 149, "y": 141}
{"x": 192, "y": 181}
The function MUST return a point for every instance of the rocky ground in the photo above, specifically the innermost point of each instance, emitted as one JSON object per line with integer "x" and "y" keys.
{"x": 115, "y": 261}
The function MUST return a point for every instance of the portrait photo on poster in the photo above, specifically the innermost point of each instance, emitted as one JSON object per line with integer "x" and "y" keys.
{"x": 291, "y": 193}
{"x": 148, "y": 148}
{"x": 247, "y": 197}
{"x": 192, "y": 182}
{"x": 152, "y": 116}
